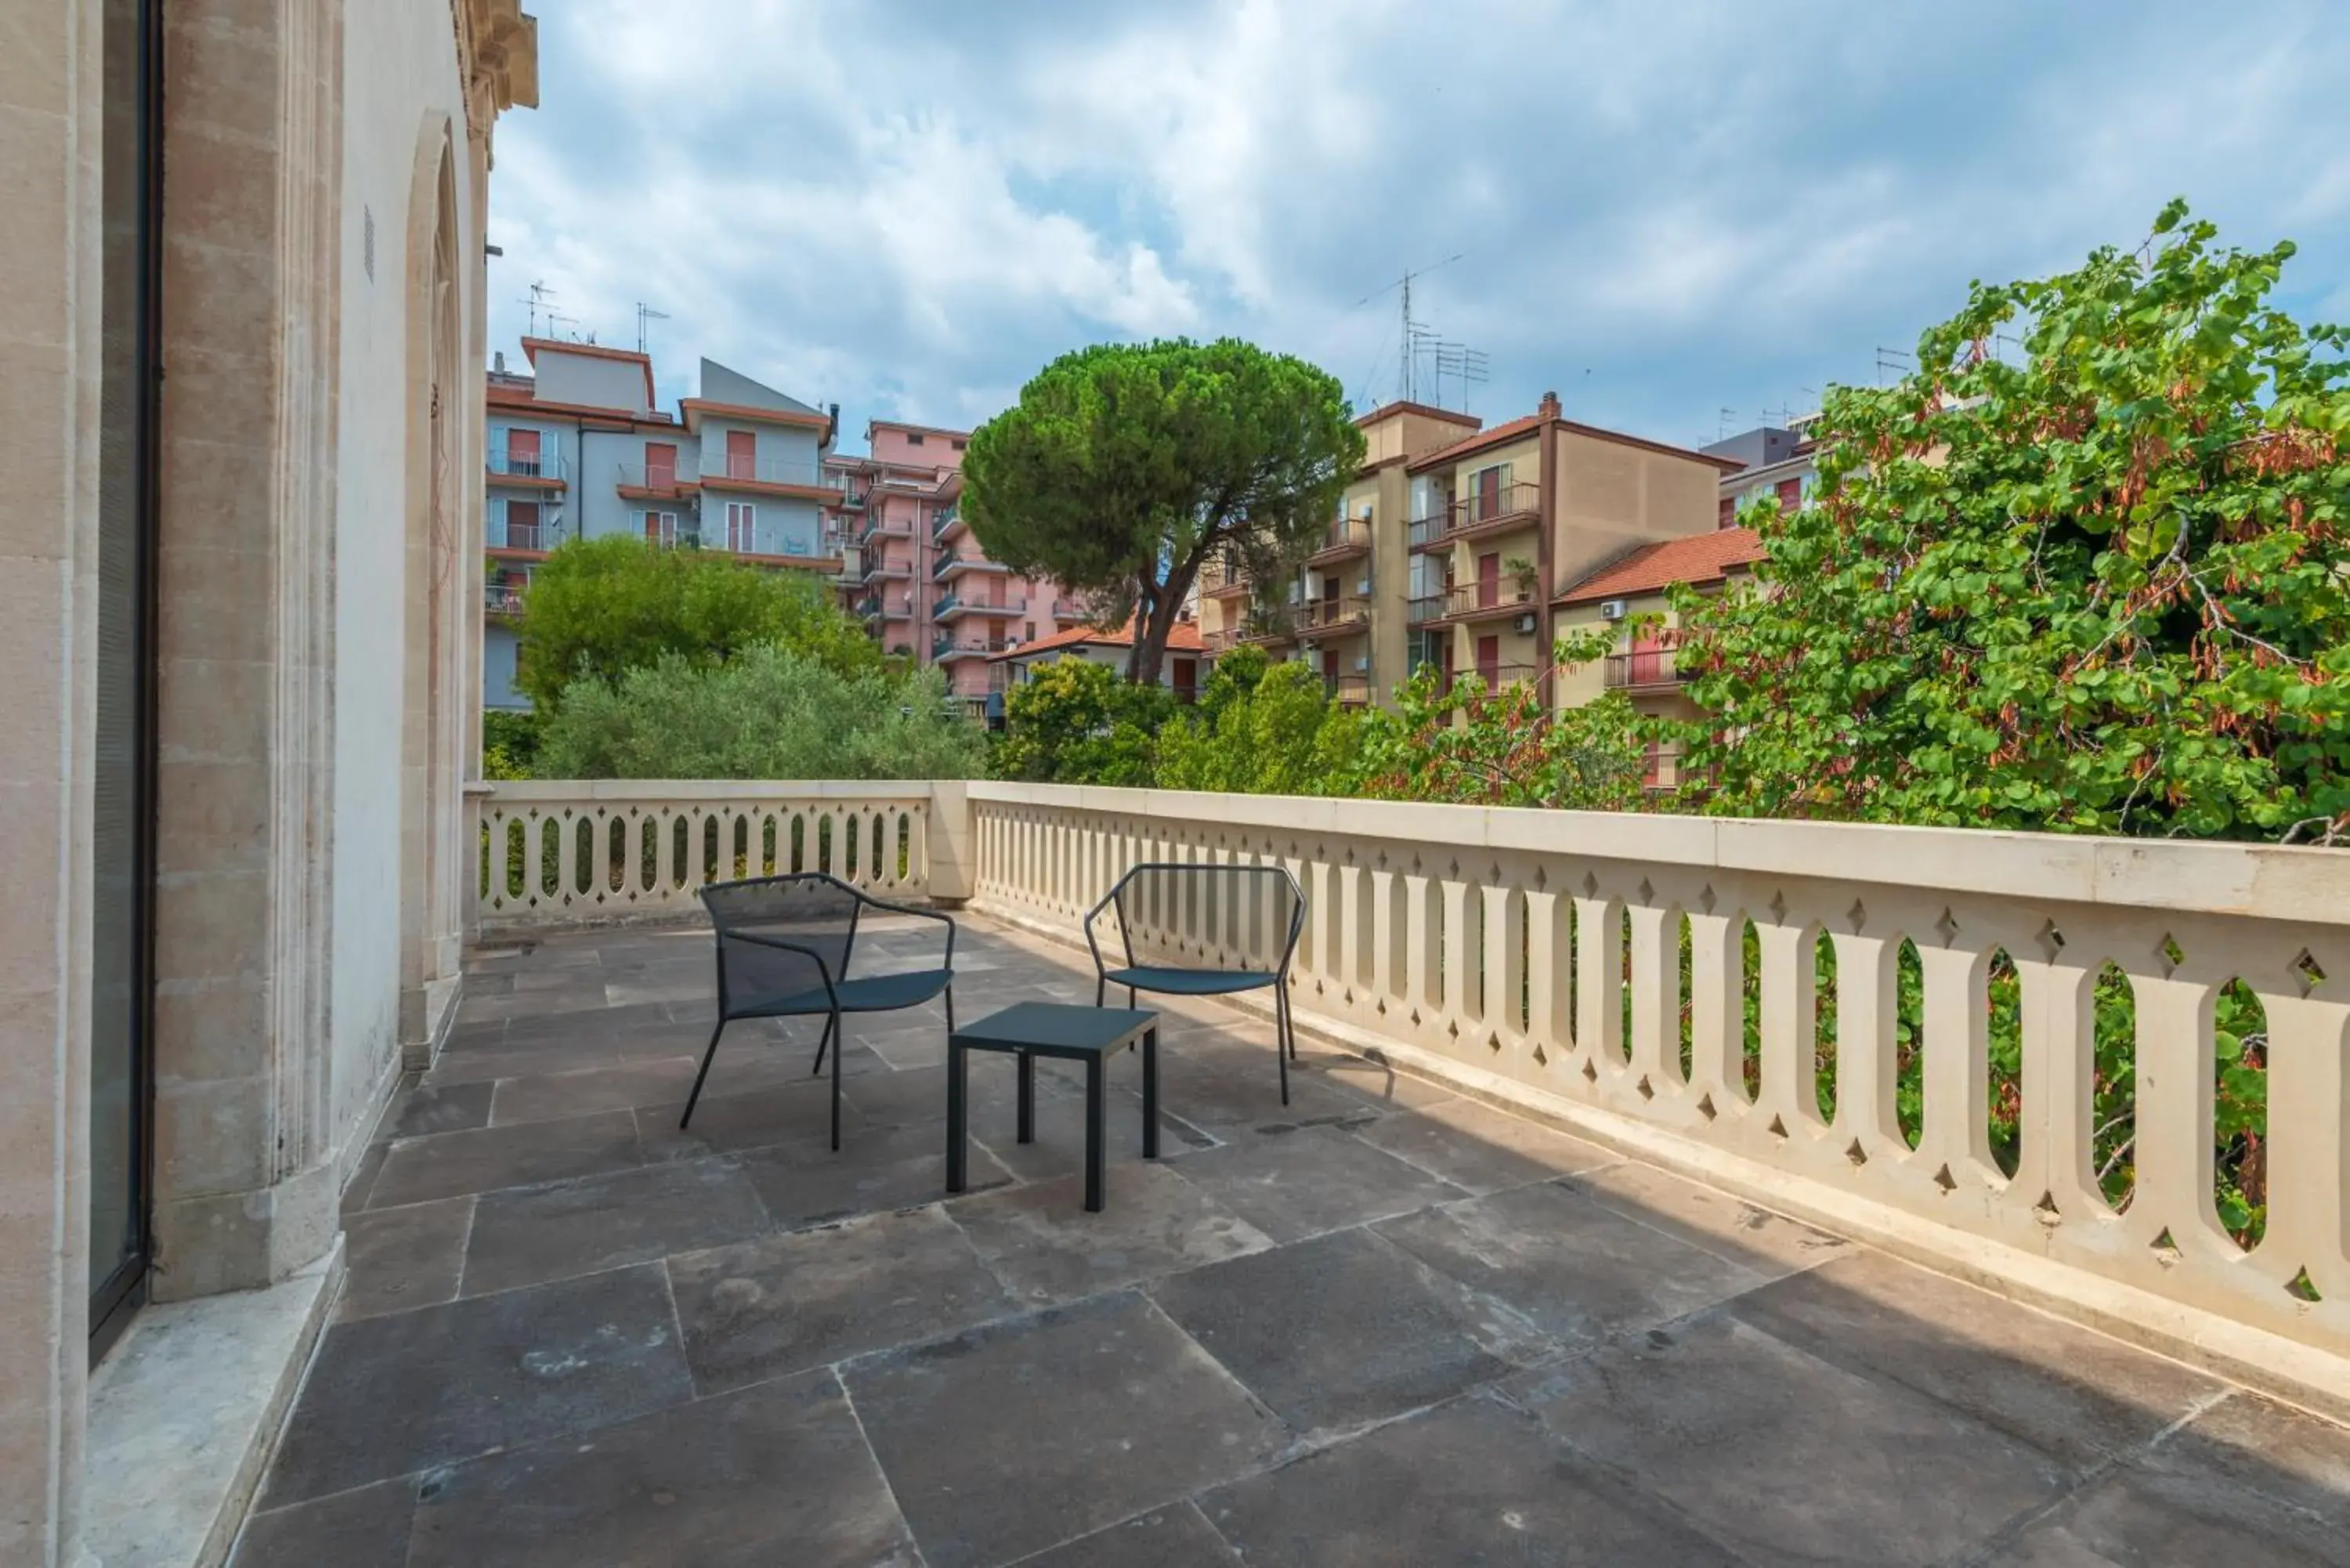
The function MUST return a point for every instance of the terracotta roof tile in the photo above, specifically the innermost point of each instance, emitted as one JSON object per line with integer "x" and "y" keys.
{"x": 1498, "y": 435}
{"x": 1184, "y": 637}
{"x": 1699, "y": 558}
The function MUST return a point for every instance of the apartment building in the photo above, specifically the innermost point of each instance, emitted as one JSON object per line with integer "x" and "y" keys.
{"x": 1182, "y": 671}
{"x": 1449, "y": 544}
{"x": 577, "y": 450}
{"x": 915, "y": 573}
{"x": 1771, "y": 461}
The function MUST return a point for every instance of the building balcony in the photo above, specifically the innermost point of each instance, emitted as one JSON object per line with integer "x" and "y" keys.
{"x": 1501, "y": 677}
{"x": 955, "y": 607}
{"x": 1423, "y": 609}
{"x": 948, "y": 526}
{"x": 950, "y": 567}
{"x": 527, "y": 538}
{"x": 1071, "y": 610}
{"x": 888, "y": 571}
{"x": 879, "y": 527}
{"x": 636, "y": 481}
{"x": 1312, "y": 618}
{"x": 1501, "y": 510}
{"x": 1342, "y": 540}
{"x": 544, "y": 471}
{"x": 1261, "y": 626}
{"x": 1348, "y": 691}
{"x": 1712, "y": 1264}
{"x": 951, "y": 650}
{"x": 1643, "y": 669}
{"x": 774, "y": 475}
{"x": 1487, "y": 600}
{"x": 874, "y": 607}
{"x": 502, "y": 600}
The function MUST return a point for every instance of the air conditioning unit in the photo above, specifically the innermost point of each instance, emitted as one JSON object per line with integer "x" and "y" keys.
{"x": 1525, "y": 625}
{"x": 1362, "y": 663}
{"x": 1614, "y": 609}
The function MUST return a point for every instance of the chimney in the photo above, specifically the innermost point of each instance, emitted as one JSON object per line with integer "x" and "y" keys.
{"x": 1550, "y": 407}
{"x": 832, "y": 429}
{"x": 499, "y": 361}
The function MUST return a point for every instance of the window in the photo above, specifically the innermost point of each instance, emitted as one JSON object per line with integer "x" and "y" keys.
{"x": 742, "y": 536}
{"x": 659, "y": 527}
{"x": 522, "y": 526}
{"x": 660, "y": 465}
{"x": 1729, "y": 513}
{"x": 1028, "y": 632}
{"x": 741, "y": 455}
{"x": 913, "y": 438}
{"x": 958, "y": 444}
{"x": 522, "y": 453}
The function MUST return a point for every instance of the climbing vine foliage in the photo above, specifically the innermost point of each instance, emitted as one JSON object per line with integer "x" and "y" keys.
{"x": 2095, "y": 581}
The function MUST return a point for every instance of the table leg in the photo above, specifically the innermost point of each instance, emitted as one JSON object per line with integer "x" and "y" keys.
{"x": 1027, "y": 1096}
{"x": 957, "y": 1156}
{"x": 1150, "y": 1094}
{"x": 1094, "y": 1133}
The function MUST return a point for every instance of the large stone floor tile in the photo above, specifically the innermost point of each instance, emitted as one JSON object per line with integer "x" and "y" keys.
{"x": 1044, "y": 1247}
{"x": 1222, "y": 1092}
{"x": 530, "y": 1235}
{"x": 1472, "y": 1482}
{"x": 366, "y": 1528}
{"x": 407, "y": 1257}
{"x": 1344, "y": 1329}
{"x": 789, "y": 1303}
{"x": 390, "y": 1396}
{"x": 1787, "y": 1458}
{"x": 919, "y": 1095}
{"x": 1382, "y": 1086}
{"x": 773, "y": 1475}
{"x": 1296, "y": 1184}
{"x": 1176, "y": 1537}
{"x": 1577, "y": 1271}
{"x": 448, "y": 1165}
{"x": 1021, "y": 1435}
{"x": 362, "y": 1182}
{"x": 1479, "y": 1149}
{"x": 805, "y": 1182}
{"x": 1708, "y": 1218}
{"x": 1060, "y": 1144}
{"x": 552, "y": 1097}
{"x": 529, "y": 1058}
{"x": 436, "y": 1108}
{"x": 2067, "y": 1391}
{"x": 2127, "y": 1520}
{"x": 755, "y": 1118}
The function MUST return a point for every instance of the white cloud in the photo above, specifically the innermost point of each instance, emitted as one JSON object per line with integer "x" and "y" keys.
{"x": 908, "y": 208}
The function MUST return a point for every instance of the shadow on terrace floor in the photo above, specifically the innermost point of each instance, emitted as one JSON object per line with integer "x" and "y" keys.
{"x": 1387, "y": 1325}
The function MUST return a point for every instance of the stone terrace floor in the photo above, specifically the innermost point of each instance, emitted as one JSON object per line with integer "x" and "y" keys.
{"x": 1387, "y": 1325}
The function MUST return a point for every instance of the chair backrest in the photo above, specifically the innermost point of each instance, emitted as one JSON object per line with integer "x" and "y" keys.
{"x": 815, "y": 913}
{"x": 1209, "y": 917}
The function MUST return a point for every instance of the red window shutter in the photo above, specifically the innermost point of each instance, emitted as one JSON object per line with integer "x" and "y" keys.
{"x": 741, "y": 455}
{"x": 660, "y": 465}
{"x": 1728, "y": 512}
{"x": 1791, "y": 494}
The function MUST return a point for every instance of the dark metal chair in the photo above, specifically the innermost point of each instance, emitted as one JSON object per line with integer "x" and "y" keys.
{"x": 1171, "y": 909}
{"x": 785, "y": 946}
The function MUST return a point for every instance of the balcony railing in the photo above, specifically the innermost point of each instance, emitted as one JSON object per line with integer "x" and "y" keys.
{"x": 951, "y": 648}
{"x": 537, "y": 468}
{"x": 1261, "y": 624}
{"x": 1468, "y": 600}
{"x": 945, "y": 522}
{"x": 1071, "y": 610}
{"x": 772, "y": 471}
{"x": 951, "y": 606}
{"x": 1344, "y": 537}
{"x": 503, "y": 536}
{"x": 662, "y": 481}
{"x": 1348, "y": 691}
{"x": 1323, "y": 618}
{"x": 877, "y": 607}
{"x": 1498, "y": 677}
{"x": 879, "y": 527}
{"x": 953, "y": 565}
{"x": 1822, "y": 1019}
{"x": 502, "y": 598}
{"x": 1643, "y": 669}
{"x": 1423, "y": 609}
{"x": 1502, "y": 506}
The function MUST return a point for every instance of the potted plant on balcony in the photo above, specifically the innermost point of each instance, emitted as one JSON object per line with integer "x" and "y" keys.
{"x": 1521, "y": 575}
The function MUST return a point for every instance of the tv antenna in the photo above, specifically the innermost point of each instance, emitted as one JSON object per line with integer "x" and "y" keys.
{"x": 1722, "y": 426}
{"x": 1891, "y": 360}
{"x": 1461, "y": 362}
{"x": 647, "y": 313}
{"x": 1408, "y": 382}
{"x": 539, "y": 296}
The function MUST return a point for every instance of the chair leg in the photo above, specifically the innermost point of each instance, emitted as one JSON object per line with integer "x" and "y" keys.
{"x": 706, "y": 1058}
{"x": 833, "y": 1028}
{"x": 1100, "y": 984}
{"x": 823, "y": 1041}
{"x": 1280, "y": 1039}
{"x": 950, "y": 1009}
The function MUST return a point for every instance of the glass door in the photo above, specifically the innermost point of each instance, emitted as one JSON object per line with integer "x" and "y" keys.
{"x": 121, "y": 1093}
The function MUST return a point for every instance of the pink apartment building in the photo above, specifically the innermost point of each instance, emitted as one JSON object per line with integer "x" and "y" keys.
{"x": 916, "y": 575}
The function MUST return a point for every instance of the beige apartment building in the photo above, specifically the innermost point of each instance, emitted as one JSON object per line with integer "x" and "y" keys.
{"x": 242, "y": 328}
{"x": 1453, "y": 543}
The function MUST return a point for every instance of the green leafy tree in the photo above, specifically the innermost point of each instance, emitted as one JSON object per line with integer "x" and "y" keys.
{"x": 1467, "y": 745}
{"x": 1075, "y": 722}
{"x": 1126, "y": 467}
{"x": 1262, "y": 728}
{"x": 600, "y": 608}
{"x": 767, "y": 713}
{"x": 2103, "y": 589}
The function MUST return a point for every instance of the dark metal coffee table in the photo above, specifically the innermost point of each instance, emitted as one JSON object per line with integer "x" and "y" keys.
{"x": 1033, "y": 1029}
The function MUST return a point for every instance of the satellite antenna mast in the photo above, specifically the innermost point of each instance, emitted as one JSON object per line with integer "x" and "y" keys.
{"x": 1407, "y": 381}
{"x": 647, "y": 313}
{"x": 539, "y": 296}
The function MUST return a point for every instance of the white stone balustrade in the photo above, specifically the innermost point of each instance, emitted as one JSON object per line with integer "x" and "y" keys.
{"x": 1596, "y": 968}
{"x": 606, "y": 850}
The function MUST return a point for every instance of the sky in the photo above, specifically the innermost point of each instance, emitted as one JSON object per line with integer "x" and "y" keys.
{"x": 1685, "y": 219}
